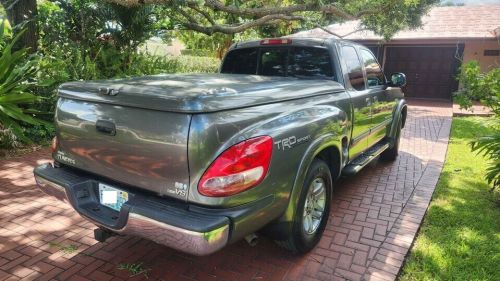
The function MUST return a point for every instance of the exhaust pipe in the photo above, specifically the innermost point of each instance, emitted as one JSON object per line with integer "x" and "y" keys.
{"x": 252, "y": 239}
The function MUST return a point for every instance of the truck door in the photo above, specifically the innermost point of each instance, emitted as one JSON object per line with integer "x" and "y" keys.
{"x": 361, "y": 100}
{"x": 382, "y": 103}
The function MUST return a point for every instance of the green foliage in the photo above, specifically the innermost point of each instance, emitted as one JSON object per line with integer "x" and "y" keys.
{"x": 8, "y": 139}
{"x": 69, "y": 64}
{"x": 89, "y": 40}
{"x": 16, "y": 72}
{"x": 132, "y": 26}
{"x": 396, "y": 15}
{"x": 40, "y": 134}
{"x": 490, "y": 147}
{"x": 484, "y": 87}
{"x": 94, "y": 24}
{"x": 476, "y": 85}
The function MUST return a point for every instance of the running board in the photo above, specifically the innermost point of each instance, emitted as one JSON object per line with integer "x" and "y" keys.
{"x": 365, "y": 158}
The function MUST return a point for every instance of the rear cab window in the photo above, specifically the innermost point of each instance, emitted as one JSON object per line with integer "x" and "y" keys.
{"x": 286, "y": 61}
{"x": 241, "y": 61}
{"x": 272, "y": 61}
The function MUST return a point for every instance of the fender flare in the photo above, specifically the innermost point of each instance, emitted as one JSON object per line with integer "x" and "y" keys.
{"x": 399, "y": 113}
{"x": 326, "y": 141}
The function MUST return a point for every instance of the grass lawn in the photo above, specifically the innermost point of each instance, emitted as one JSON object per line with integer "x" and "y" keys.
{"x": 460, "y": 236}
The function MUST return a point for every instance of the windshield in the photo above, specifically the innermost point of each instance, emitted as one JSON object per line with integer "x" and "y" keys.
{"x": 302, "y": 62}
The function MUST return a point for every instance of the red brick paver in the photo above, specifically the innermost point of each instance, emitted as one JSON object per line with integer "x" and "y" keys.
{"x": 374, "y": 219}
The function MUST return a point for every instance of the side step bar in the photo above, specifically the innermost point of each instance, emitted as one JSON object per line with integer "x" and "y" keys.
{"x": 365, "y": 158}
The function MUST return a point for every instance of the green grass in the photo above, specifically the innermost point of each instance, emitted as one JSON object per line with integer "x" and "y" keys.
{"x": 135, "y": 269}
{"x": 460, "y": 236}
{"x": 67, "y": 249}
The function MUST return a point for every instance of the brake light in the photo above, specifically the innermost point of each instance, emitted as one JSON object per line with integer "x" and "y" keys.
{"x": 237, "y": 169}
{"x": 275, "y": 41}
{"x": 53, "y": 146}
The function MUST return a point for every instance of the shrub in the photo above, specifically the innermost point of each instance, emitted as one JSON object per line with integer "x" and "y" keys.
{"x": 40, "y": 134}
{"x": 17, "y": 70}
{"x": 7, "y": 139}
{"x": 69, "y": 63}
{"x": 476, "y": 85}
{"x": 484, "y": 87}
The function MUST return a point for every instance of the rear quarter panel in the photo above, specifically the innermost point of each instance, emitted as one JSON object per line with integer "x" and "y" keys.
{"x": 295, "y": 127}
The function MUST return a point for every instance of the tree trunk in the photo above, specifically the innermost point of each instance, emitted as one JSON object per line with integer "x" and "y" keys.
{"x": 19, "y": 11}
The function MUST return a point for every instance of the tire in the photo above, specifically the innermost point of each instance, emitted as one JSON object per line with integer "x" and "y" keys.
{"x": 307, "y": 229}
{"x": 391, "y": 153}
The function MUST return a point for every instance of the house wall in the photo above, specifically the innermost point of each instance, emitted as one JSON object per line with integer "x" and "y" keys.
{"x": 474, "y": 50}
{"x": 158, "y": 48}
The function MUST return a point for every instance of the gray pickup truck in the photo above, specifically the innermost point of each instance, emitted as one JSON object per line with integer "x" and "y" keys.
{"x": 198, "y": 161}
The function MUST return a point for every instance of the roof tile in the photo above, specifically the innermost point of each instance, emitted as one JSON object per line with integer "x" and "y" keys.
{"x": 440, "y": 23}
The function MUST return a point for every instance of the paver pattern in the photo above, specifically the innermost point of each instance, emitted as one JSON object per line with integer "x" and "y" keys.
{"x": 373, "y": 222}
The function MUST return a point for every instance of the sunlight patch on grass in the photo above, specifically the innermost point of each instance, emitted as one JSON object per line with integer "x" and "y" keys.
{"x": 460, "y": 236}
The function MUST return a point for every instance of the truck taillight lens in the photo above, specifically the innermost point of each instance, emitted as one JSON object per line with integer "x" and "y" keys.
{"x": 237, "y": 169}
{"x": 53, "y": 146}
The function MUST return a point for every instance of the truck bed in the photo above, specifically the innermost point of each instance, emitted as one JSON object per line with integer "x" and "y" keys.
{"x": 196, "y": 93}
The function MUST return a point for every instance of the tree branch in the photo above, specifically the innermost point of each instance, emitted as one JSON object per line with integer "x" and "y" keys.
{"x": 203, "y": 13}
{"x": 352, "y": 32}
{"x": 258, "y": 12}
{"x": 255, "y": 12}
{"x": 256, "y": 16}
{"x": 231, "y": 29}
{"x": 328, "y": 31}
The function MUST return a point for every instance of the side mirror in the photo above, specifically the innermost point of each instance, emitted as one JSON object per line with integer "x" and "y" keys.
{"x": 398, "y": 79}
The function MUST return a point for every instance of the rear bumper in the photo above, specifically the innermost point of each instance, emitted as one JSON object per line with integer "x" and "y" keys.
{"x": 172, "y": 224}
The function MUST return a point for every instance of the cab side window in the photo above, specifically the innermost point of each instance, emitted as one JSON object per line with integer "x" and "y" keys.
{"x": 374, "y": 75}
{"x": 354, "y": 68}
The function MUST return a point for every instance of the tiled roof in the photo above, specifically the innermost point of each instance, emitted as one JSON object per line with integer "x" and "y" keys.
{"x": 441, "y": 23}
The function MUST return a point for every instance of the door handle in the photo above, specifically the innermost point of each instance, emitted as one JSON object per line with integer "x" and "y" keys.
{"x": 106, "y": 127}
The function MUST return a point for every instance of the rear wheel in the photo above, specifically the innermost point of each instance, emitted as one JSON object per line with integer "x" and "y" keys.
{"x": 391, "y": 154}
{"x": 312, "y": 210}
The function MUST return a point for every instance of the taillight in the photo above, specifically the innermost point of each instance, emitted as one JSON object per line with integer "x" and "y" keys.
{"x": 53, "y": 146}
{"x": 237, "y": 169}
{"x": 275, "y": 41}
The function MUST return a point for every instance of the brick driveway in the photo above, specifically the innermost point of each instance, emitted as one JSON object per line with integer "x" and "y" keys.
{"x": 373, "y": 222}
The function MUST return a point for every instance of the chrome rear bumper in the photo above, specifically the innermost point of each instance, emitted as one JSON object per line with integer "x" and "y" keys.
{"x": 188, "y": 241}
{"x": 185, "y": 240}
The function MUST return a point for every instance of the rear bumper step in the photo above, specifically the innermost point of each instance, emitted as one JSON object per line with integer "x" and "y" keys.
{"x": 167, "y": 224}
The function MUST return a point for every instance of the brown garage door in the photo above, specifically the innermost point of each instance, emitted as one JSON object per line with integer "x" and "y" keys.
{"x": 430, "y": 70}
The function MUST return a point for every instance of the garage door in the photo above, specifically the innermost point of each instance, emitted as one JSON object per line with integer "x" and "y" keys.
{"x": 430, "y": 70}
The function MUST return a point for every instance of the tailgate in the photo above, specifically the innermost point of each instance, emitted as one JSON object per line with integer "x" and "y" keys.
{"x": 139, "y": 147}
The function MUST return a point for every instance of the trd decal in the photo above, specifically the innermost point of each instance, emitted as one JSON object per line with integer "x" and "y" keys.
{"x": 290, "y": 142}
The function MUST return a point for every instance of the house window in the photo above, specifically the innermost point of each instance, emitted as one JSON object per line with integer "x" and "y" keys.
{"x": 491, "y": 53}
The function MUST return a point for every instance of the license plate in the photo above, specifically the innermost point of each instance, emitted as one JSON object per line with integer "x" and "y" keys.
{"x": 112, "y": 197}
